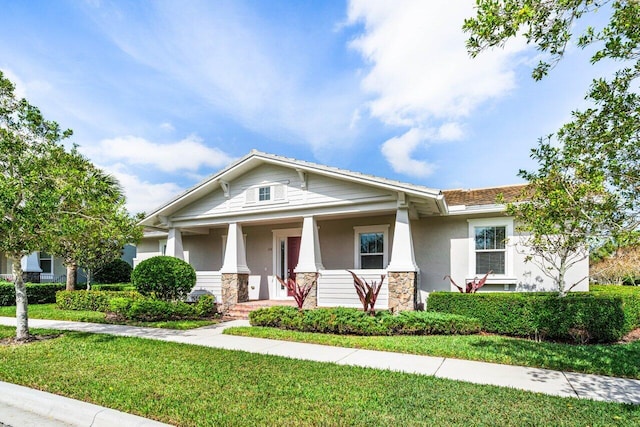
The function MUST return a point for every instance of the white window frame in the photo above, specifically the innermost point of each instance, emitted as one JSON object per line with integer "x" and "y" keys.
{"x": 509, "y": 251}
{"x": 357, "y": 231}
{"x": 255, "y": 200}
{"x": 50, "y": 258}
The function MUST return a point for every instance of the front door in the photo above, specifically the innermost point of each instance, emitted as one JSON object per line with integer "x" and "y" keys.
{"x": 293, "y": 251}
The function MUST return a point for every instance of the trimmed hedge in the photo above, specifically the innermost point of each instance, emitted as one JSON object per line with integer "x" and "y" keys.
{"x": 151, "y": 310}
{"x": 164, "y": 277}
{"x": 631, "y": 297}
{"x": 37, "y": 293}
{"x": 352, "y": 321}
{"x": 116, "y": 271}
{"x": 580, "y": 317}
{"x": 90, "y": 300}
{"x": 114, "y": 287}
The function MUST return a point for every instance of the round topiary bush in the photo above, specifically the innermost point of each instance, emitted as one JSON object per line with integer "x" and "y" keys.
{"x": 117, "y": 271}
{"x": 164, "y": 277}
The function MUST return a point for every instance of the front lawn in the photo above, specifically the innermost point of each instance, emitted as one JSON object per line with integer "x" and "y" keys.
{"x": 619, "y": 360}
{"x": 197, "y": 386}
{"x": 52, "y": 312}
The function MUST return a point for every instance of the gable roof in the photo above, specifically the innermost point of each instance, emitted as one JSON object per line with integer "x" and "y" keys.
{"x": 256, "y": 158}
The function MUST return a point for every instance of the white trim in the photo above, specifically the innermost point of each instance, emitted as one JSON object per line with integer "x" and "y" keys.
{"x": 255, "y": 201}
{"x": 278, "y": 234}
{"x": 381, "y": 228}
{"x": 51, "y": 258}
{"x": 162, "y": 246}
{"x": 507, "y": 222}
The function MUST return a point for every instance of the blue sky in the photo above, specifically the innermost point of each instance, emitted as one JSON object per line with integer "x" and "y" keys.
{"x": 164, "y": 93}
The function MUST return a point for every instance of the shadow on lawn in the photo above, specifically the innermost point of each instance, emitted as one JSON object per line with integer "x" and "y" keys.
{"x": 619, "y": 360}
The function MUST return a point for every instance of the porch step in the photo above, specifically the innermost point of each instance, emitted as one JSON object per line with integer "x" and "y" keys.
{"x": 242, "y": 310}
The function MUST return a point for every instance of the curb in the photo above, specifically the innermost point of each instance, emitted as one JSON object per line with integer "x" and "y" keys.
{"x": 66, "y": 410}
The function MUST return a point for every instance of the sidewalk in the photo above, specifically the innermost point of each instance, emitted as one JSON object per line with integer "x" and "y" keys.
{"x": 565, "y": 384}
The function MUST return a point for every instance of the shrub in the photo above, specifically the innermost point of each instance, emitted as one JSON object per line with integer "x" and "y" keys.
{"x": 580, "y": 317}
{"x": 630, "y": 296}
{"x": 367, "y": 292}
{"x": 164, "y": 277}
{"x": 117, "y": 271}
{"x": 151, "y": 310}
{"x": 114, "y": 287}
{"x": 299, "y": 292}
{"x": 37, "y": 293}
{"x": 340, "y": 320}
{"x": 90, "y": 300}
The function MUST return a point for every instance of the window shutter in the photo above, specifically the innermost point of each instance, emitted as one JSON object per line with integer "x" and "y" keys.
{"x": 279, "y": 192}
{"x": 251, "y": 195}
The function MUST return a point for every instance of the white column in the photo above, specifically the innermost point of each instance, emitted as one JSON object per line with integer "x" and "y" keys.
{"x": 235, "y": 258}
{"x": 310, "y": 259}
{"x": 174, "y": 243}
{"x": 402, "y": 258}
{"x": 31, "y": 263}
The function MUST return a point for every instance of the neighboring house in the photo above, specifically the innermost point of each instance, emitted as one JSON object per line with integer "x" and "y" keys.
{"x": 45, "y": 268}
{"x": 268, "y": 215}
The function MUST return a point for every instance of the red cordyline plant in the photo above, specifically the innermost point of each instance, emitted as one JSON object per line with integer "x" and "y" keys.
{"x": 368, "y": 293}
{"x": 472, "y": 286}
{"x": 299, "y": 292}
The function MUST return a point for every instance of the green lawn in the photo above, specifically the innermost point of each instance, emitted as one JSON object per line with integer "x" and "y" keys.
{"x": 620, "y": 360}
{"x": 197, "y": 386}
{"x": 50, "y": 311}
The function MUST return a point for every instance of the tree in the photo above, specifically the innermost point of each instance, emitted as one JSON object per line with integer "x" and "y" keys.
{"x": 92, "y": 223}
{"x": 586, "y": 187}
{"x": 29, "y": 196}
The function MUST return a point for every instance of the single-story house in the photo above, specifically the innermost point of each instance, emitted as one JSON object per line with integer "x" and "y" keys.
{"x": 268, "y": 215}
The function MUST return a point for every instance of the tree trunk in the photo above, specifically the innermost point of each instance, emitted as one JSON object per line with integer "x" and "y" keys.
{"x": 22, "y": 317}
{"x": 72, "y": 276}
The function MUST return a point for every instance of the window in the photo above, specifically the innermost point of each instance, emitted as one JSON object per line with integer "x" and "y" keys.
{"x": 490, "y": 249}
{"x": 264, "y": 194}
{"x": 371, "y": 244}
{"x": 46, "y": 263}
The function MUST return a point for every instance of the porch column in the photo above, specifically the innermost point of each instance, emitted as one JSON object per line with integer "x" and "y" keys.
{"x": 235, "y": 272}
{"x": 174, "y": 243}
{"x": 31, "y": 267}
{"x": 309, "y": 260}
{"x": 402, "y": 270}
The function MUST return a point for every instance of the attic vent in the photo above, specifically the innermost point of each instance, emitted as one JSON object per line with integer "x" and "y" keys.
{"x": 266, "y": 193}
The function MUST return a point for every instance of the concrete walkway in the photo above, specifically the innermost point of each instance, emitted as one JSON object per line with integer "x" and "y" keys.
{"x": 565, "y": 384}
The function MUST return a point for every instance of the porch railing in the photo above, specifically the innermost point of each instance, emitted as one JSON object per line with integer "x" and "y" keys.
{"x": 335, "y": 288}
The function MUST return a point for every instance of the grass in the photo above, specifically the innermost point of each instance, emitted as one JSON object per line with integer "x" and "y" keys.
{"x": 619, "y": 360}
{"x": 52, "y": 312}
{"x": 197, "y": 386}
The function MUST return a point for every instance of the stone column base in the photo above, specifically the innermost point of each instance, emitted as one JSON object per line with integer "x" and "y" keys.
{"x": 402, "y": 290}
{"x": 235, "y": 289}
{"x": 306, "y": 279}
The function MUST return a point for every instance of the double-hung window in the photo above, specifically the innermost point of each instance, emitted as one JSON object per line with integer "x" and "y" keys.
{"x": 46, "y": 263}
{"x": 371, "y": 247}
{"x": 490, "y": 248}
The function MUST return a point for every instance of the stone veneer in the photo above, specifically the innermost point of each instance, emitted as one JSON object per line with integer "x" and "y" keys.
{"x": 402, "y": 291}
{"x": 304, "y": 279}
{"x": 235, "y": 289}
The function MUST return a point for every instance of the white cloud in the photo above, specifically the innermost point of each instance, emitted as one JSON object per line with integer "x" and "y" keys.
{"x": 166, "y": 126}
{"x": 398, "y": 151}
{"x": 142, "y": 196}
{"x": 421, "y": 75}
{"x": 189, "y": 154}
{"x": 420, "y": 69}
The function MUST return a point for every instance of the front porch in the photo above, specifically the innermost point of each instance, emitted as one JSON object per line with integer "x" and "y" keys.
{"x": 251, "y": 255}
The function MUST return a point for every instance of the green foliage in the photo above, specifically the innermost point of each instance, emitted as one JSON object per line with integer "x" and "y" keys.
{"x": 37, "y": 293}
{"x": 153, "y": 310}
{"x": 340, "y": 320}
{"x": 164, "y": 277}
{"x": 114, "y": 287}
{"x": 91, "y": 300}
{"x": 631, "y": 298}
{"x": 579, "y": 317}
{"x": 116, "y": 271}
{"x": 586, "y": 187}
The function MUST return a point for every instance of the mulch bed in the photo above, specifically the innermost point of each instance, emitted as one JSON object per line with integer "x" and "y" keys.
{"x": 631, "y": 336}
{"x": 32, "y": 338}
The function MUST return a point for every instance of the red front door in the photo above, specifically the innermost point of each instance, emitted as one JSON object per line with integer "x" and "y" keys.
{"x": 293, "y": 251}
